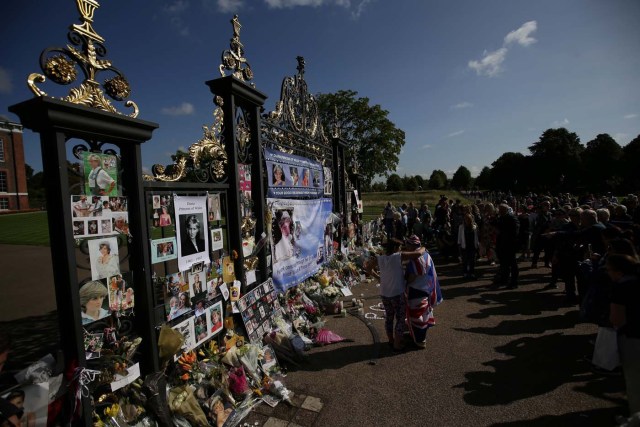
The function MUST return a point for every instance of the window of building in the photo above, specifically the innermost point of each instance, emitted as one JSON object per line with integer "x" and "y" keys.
{"x": 4, "y": 204}
{"x": 1, "y": 150}
{"x": 3, "y": 182}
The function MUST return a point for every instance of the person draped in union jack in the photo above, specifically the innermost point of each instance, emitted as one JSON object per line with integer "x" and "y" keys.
{"x": 422, "y": 293}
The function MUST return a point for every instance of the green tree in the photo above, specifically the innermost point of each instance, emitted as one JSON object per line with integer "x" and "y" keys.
{"x": 506, "y": 171}
{"x": 631, "y": 160}
{"x": 411, "y": 184}
{"x": 461, "y": 179}
{"x": 600, "y": 160}
{"x": 378, "y": 186}
{"x": 557, "y": 155}
{"x": 371, "y": 136}
{"x": 394, "y": 183}
{"x": 483, "y": 181}
{"x": 421, "y": 182}
{"x": 438, "y": 180}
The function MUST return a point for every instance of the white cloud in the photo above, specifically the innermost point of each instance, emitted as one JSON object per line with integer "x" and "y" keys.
{"x": 475, "y": 170}
{"x": 560, "y": 123}
{"x": 631, "y": 116}
{"x": 461, "y": 105}
{"x": 177, "y": 6}
{"x": 6, "y": 85}
{"x": 522, "y": 35}
{"x": 491, "y": 63}
{"x": 357, "y": 8}
{"x": 183, "y": 109}
{"x": 229, "y": 6}
{"x": 456, "y": 133}
{"x": 426, "y": 146}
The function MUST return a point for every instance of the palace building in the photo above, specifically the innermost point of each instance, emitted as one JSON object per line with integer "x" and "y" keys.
{"x": 13, "y": 180}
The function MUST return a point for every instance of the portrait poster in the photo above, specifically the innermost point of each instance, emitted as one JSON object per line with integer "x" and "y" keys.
{"x": 94, "y": 301}
{"x": 268, "y": 361}
{"x": 257, "y": 308}
{"x": 216, "y": 239}
{"x": 163, "y": 250}
{"x": 35, "y": 403}
{"x": 291, "y": 176}
{"x": 100, "y": 174}
{"x": 191, "y": 230}
{"x": 297, "y": 239}
{"x": 213, "y": 204}
{"x": 186, "y": 329}
{"x": 215, "y": 319}
{"x": 103, "y": 255}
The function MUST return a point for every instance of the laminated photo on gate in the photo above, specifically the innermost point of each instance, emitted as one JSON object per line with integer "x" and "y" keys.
{"x": 191, "y": 230}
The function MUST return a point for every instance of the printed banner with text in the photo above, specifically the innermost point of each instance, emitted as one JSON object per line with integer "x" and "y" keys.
{"x": 297, "y": 239}
{"x": 293, "y": 176}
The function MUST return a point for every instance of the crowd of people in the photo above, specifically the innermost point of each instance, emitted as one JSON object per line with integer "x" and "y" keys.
{"x": 589, "y": 243}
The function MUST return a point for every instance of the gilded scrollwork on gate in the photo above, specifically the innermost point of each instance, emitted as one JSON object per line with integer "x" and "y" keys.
{"x": 294, "y": 126}
{"x": 85, "y": 52}
{"x": 233, "y": 58}
{"x": 204, "y": 161}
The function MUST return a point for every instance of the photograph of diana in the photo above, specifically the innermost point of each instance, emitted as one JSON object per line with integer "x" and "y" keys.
{"x": 103, "y": 255}
{"x": 283, "y": 237}
{"x": 192, "y": 234}
{"x": 92, "y": 301}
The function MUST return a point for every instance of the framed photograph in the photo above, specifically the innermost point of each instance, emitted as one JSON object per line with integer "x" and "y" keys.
{"x": 215, "y": 316}
{"x": 163, "y": 250}
{"x": 34, "y": 402}
{"x": 101, "y": 174}
{"x": 81, "y": 207}
{"x": 155, "y": 201}
{"x": 93, "y": 345}
{"x": 268, "y": 360}
{"x": 216, "y": 239}
{"x": 103, "y": 255}
{"x": 200, "y": 328}
{"x": 196, "y": 284}
{"x": 213, "y": 202}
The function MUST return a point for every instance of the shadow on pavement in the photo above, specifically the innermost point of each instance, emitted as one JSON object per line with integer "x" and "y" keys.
{"x": 536, "y": 325}
{"x": 537, "y": 366}
{"x": 595, "y": 417}
{"x": 516, "y": 302}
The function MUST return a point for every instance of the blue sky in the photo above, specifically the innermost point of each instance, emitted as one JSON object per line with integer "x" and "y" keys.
{"x": 467, "y": 80}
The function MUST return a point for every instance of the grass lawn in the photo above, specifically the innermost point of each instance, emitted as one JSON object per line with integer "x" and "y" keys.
{"x": 24, "y": 229}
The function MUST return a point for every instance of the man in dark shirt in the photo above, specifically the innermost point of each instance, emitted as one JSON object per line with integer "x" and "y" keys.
{"x": 506, "y": 245}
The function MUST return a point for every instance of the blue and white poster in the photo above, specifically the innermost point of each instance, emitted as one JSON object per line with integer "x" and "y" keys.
{"x": 293, "y": 176}
{"x": 297, "y": 239}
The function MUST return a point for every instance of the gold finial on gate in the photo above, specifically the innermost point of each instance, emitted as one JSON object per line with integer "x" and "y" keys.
{"x": 233, "y": 58}
{"x": 59, "y": 64}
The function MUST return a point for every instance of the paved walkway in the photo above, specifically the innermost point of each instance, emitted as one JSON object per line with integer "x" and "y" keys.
{"x": 496, "y": 358}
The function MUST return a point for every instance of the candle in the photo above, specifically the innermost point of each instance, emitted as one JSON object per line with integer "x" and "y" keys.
{"x": 341, "y": 305}
{"x": 360, "y": 310}
{"x": 343, "y": 312}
